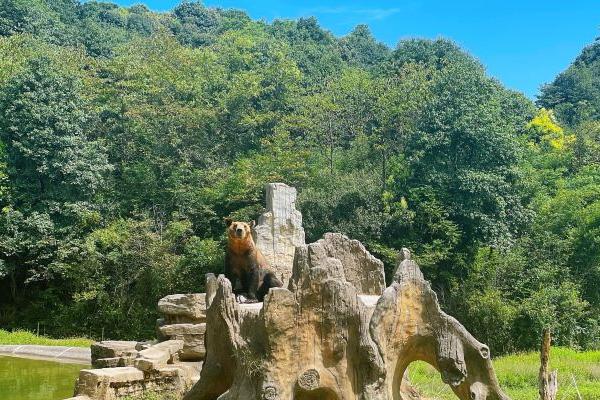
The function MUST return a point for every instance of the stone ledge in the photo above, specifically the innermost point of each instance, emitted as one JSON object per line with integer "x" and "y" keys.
{"x": 75, "y": 355}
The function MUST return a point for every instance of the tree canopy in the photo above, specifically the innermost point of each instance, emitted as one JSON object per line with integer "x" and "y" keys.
{"x": 127, "y": 135}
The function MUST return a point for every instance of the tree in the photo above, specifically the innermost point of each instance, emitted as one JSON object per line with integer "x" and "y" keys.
{"x": 437, "y": 54}
{"x": 53, "y": 171}
{"x": 360, "y": 49}
{"x": 574, "y": 94}
{"x": 42, "y": 123}
{"x": 315, "y": 51}
{"x": 37, "y": 17}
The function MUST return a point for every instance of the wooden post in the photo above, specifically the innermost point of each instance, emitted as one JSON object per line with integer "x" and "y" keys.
{"x": 548, "y": 382}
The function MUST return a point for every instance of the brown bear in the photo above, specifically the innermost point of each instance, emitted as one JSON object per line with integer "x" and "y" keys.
{"x": 245, "y": 262}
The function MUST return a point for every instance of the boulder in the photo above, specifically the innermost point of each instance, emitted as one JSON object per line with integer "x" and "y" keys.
{"x": 360, "y": 268}
{"x": 112, "y": 348}
{"x": 182, "y": 329}
{"x": 159, "y": 355}
{"x": 192, "y": 336}
{"x": 104, "y": 383}
{"x": 113, "y": 353}
{"x": 279, "y": 230}
{"x": 110, "y": 363}
{"x": 129, "y": 382}
{"x": 183, "y": 308}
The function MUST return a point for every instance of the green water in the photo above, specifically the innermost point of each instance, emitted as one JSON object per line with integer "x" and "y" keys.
{"x": 24, "y": 379}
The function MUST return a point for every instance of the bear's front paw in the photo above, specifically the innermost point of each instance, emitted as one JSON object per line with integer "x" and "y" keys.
{"x": 241, "y": 298}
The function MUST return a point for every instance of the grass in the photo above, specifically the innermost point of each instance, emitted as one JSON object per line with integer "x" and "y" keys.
{"x": 26, "y": 337}
{"x": 577, "y": 371}
{"x": 152, "y": 396}
{"x": 518, "y": 375}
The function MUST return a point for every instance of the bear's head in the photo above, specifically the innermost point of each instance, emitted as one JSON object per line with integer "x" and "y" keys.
{"x": 239, "y": 230}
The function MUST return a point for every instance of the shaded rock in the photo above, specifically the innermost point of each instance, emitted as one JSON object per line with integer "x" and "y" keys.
{"x": 145, "y": 344}
{"x": 108, "y": 363}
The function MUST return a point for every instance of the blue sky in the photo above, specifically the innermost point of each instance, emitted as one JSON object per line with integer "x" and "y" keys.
{"x": 522, "y": 43}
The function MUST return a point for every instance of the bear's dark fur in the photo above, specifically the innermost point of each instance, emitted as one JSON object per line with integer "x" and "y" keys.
{"x": 245, "y": 262}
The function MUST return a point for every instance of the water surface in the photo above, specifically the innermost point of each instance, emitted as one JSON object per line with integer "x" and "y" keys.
{"x": 25, "y": 379}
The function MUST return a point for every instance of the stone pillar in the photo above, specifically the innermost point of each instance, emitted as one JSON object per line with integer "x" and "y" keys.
{"x": 279, "y": 229}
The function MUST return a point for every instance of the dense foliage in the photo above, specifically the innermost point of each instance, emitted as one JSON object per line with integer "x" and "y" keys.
{"x": 127, "y": 135}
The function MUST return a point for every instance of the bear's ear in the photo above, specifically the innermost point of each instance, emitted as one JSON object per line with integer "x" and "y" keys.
{"x": 252, "y": 224}
{"x": 228, "y": 221}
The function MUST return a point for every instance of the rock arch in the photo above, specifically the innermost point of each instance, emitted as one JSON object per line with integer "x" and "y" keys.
{"x": 316, "y": 394}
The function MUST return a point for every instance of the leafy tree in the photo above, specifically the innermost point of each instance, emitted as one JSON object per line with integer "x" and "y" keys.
{"x": 42, "y": 123}
{"x": 463, "y": 158}
{"x": 359, "y": 48}
{"x": 126, "y": 135}
{"x": 53, "y": 171}
{"x": 124, "y": 268}
{"x": 314, "y": 50}
{"x": 437, "y": 54}
{"x": 196, "y": 25}
{"x": 574, "y": 94}
{"x": 36, "y": 17}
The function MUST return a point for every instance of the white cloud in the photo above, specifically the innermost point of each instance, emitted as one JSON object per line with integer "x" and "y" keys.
{"x": 369, "y": 13}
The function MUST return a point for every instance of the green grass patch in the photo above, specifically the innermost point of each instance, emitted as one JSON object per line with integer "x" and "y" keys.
{"x": 152, "y": 396}
{"x": 518, "y": 375}
{"x": 26, "y": 337}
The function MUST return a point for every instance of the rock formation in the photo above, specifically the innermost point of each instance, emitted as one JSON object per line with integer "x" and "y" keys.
{"x": 279, "y": 230}
{"x": 184, "y": 319}
{"x": 335, "y": 333}
{"x": 123, "y": 368}
{"x": 350, "y": 261}
{"x": 328, "y": 337}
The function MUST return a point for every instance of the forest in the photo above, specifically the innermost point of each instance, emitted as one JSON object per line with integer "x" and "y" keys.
{"x": 127, "y": 135}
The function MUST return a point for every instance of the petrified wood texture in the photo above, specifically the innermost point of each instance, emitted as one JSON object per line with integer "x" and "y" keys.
{"x": 323, "y": 339}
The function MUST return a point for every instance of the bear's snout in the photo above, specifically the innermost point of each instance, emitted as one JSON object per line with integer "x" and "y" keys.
{"x": 239, "y": 232}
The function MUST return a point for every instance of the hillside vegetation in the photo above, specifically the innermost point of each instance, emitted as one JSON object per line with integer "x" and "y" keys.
{"x": 126, "y": 136}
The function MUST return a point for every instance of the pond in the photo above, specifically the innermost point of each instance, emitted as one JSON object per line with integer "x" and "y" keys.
{"x": 26, "y": 379}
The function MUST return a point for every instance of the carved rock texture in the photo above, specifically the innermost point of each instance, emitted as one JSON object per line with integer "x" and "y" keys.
{"x": 358, "y": 266}
{"x": 323, "y": 338}
{"x": 279, "y": 229}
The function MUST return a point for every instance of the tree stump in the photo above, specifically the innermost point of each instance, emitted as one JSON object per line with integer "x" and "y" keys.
{"x": 548, "y": 381}
{"x": 322, "y": 338}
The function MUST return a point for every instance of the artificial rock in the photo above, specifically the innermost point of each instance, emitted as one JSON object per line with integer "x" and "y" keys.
{"x": 324, "y": 339}
{"x": 279, "y": 230}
